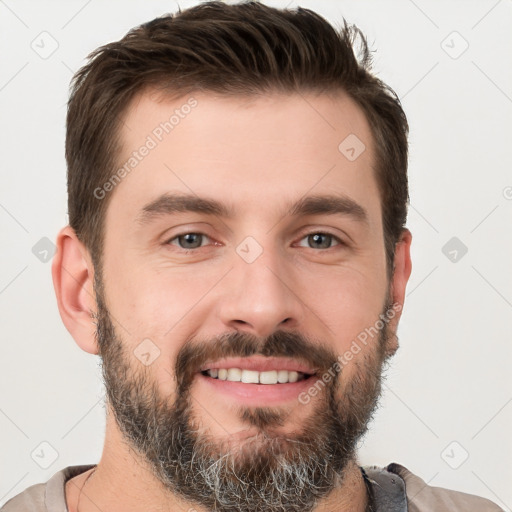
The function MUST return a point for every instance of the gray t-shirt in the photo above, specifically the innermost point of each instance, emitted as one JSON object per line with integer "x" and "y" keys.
{"x": 392, "y": 489}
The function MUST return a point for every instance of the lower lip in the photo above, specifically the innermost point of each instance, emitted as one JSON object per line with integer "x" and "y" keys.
{"x": 259, "y": 394}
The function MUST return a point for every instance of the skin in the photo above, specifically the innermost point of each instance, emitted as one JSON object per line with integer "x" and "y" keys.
{"x": 257, "y": 156}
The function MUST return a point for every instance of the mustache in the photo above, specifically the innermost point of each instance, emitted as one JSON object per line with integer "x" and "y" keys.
{"x": 195, "y": 353}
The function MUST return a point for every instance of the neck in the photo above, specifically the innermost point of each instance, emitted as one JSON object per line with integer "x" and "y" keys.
{"x": 121, "y": 482}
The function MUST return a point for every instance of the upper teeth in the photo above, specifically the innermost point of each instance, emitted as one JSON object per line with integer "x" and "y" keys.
{"x": 255, "y": 377}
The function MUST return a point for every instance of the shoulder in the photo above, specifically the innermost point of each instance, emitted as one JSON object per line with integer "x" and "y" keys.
{"x": 45, "y": 496}
{"x": 31, "y": 499}
{"x": 422, "y": 497}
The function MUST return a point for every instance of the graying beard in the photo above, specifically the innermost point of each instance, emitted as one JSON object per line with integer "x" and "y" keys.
{"x": 289, "y": 487}
{"x": 296, "y": 477}
{"x": 228, "y": 480}
{"x": 225, "y": 483}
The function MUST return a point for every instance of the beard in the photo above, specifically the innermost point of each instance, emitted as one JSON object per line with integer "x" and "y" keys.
{"x": 271, "y": 471}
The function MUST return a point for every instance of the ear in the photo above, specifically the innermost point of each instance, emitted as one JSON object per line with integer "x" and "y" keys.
{"x": 401, "y": 273}
{"x": 73, "y": 278}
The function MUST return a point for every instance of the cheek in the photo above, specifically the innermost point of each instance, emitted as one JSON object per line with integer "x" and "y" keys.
{"x": 347, "y": 300}
{"x": 154, "y": 301}
{"x": 158, "y": 309}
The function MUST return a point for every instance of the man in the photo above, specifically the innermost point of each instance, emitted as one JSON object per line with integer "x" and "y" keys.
{"x": 237, "y": 255}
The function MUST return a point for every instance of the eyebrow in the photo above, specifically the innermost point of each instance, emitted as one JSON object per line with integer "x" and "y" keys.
{"x": 167, "y": 204}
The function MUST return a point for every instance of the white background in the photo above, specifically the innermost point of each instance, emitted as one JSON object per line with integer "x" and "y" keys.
{"x": 449, "y": 382}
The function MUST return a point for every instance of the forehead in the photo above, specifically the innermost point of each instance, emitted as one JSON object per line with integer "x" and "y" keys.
{"x": 249, "y": 151}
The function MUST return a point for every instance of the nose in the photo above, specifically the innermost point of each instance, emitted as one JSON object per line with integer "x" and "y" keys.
{"x": 260, "y": 297}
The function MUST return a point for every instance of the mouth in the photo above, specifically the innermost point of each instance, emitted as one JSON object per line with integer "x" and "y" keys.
{"x": 255, "y": 377}
{"x": 257, "y": 380}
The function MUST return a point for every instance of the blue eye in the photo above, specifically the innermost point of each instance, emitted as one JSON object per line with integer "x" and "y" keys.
{"x": 188, "y": 240}
{"x": 318, "y": 240}
{"x": 321, "y": 241}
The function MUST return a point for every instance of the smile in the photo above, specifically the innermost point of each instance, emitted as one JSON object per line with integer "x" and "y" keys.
{"x": 256, "y": 377}
{"x": 258, "y": 381}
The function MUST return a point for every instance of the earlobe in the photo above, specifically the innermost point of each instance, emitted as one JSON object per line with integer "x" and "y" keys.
{"x": 73, "y": 278}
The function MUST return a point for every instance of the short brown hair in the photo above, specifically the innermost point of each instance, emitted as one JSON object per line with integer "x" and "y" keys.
{"x": 243, "y": 49}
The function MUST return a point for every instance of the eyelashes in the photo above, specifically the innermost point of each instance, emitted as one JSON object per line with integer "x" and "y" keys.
{"x": 192, "y": 241}
{"x": 189, "y": 238}
{"x": 320, "y": 236}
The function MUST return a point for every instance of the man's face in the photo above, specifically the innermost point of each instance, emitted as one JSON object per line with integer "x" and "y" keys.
{"x": 272, "y": 274}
